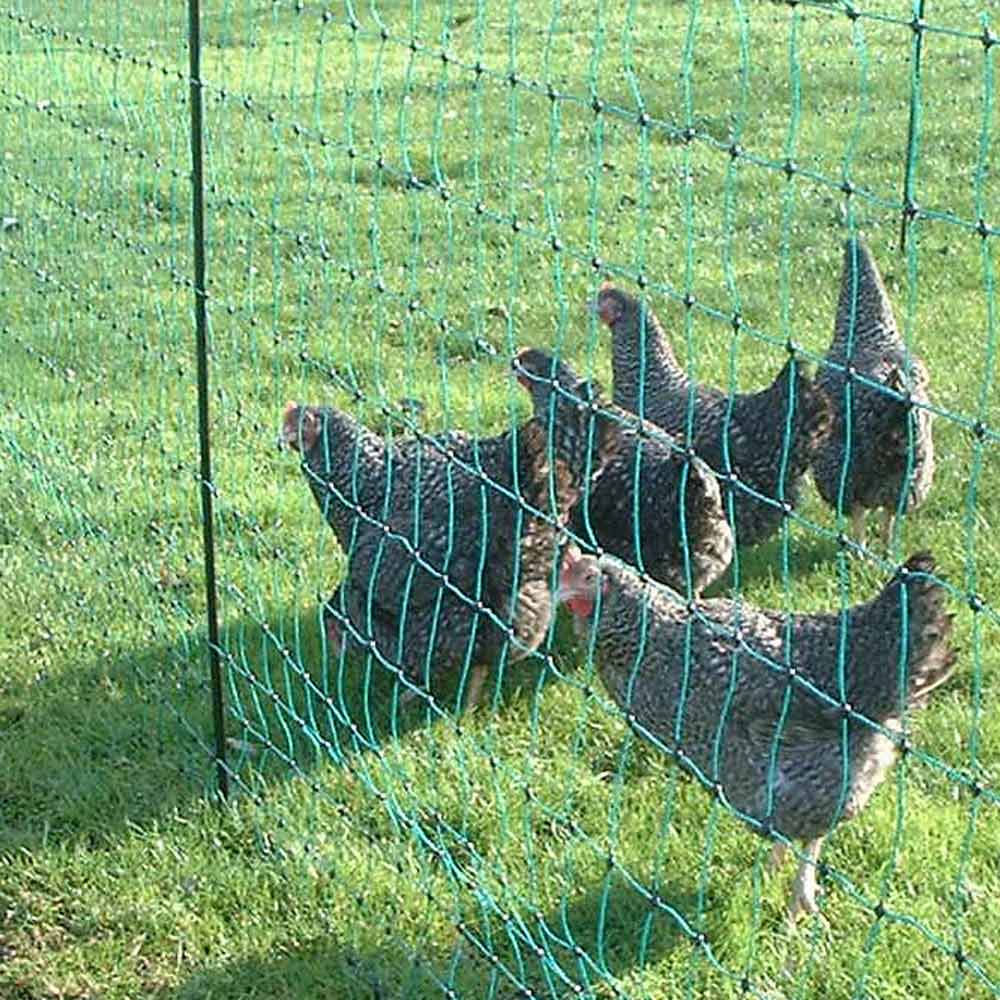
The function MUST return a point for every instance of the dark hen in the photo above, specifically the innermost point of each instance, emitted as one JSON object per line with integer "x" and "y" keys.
{"x": 881, "y": 452}
{"x": 654, "y": 505}
{"x": 448, "y": 565}
{"x": 710, "y": 684}
{"x": 766, "y": 438}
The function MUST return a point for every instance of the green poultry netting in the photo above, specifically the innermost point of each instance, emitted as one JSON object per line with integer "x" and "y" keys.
{"x": 397, "y": 198}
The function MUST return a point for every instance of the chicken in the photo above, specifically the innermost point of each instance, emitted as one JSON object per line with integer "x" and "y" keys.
{"x": 708, "y": 682}
{"x": 889, "y": 453}
{"x": 618, "y": 518}
{"x": 449, "y": 565}
{"x": 762, "y": 441}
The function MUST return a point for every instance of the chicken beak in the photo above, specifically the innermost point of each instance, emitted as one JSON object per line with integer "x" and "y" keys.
{"x": 568, "y": 587}
{"x": 288, "y": 437}
{"x": 286, "y": 442}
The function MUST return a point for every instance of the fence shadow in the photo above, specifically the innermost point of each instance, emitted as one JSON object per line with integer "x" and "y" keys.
{"x": 807, "y": 552}
{"x": 605, "y": 933}
{"x": 128, "y": 737}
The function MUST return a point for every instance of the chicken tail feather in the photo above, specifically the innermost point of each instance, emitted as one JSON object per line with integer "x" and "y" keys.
{"x": 931, "y": 654}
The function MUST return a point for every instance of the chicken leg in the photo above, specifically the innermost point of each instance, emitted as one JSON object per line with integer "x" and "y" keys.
{"x": 858, "y": 524}
{"x": 888, "y": 520}
{"x": 804, "y": 887}
{"x": 477, "y": 676}
{"x": 779, "y": 852}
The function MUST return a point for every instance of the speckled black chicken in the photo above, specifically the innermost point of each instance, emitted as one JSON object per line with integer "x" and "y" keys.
{"x": 673, "y": 539}
{"x": 769, "y": 452}
{"x": 446, "y": 566}
{"x": 889, "y": 453}
{"x": 709, "y": 683}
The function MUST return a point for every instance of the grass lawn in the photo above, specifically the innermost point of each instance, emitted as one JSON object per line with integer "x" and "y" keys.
{"x": 386, "y": 220}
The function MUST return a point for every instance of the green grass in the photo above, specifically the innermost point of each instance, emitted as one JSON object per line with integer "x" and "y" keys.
{"x": 382, "y": 861}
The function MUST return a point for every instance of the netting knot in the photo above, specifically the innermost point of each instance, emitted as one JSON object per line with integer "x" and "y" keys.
{"x": 789, "y": 168}
{"x": 643, "y": 119}
{"x": 735, "y": 151}
{"x": 976, "y": 603}
{"x": 689, "y": 300}
{"x": 982, "y": 228}
{"x": 598, "y": 105}
{"x": 988, "y": 39}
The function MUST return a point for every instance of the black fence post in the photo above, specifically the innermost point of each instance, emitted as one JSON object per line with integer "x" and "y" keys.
{"x": 909, "y": 202}
{"x": 201, "y": 335}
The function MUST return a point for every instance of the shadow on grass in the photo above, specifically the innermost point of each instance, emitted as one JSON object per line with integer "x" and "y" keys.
{"x": 290, "y": 701}
{"x": 129, "y": 738}
{"x": 609, "y": 930}
{"x": 807, "y": 552}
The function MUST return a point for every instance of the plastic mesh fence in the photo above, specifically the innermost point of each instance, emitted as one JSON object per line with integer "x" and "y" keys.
{"x": 397, "y": 198}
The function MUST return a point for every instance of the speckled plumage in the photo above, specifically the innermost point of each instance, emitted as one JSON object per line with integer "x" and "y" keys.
{"x": 756, "y": 424}
{"x": 614, "y": 515}
{"x": 463, "y": 526}
{"x": 699, "y": 690}
{"x": 882, "y": 469}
